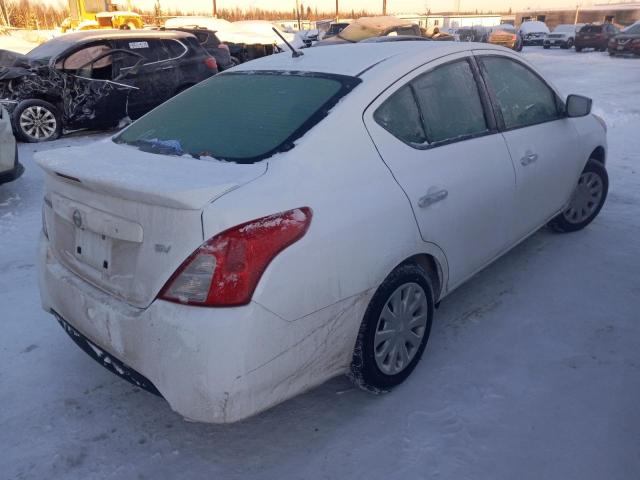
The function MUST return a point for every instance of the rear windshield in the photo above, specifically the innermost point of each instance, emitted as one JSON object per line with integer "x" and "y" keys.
{"x": 240, "y": 116}
{"x": 591, "y": 29}
{"x": 564, "y": 28}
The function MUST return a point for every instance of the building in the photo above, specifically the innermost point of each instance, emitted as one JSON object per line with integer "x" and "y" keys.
{"x": 619, "y": 13}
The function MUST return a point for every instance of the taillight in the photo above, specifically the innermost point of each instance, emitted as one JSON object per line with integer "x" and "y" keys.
{"x": 211, "y": 63}
{"x": 225, "y": 270}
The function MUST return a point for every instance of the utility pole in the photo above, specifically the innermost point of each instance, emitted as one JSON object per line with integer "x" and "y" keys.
{"x": 575, "y": 21}
{"x": 384, "y": 7}
{"x": 337, "y": 13}
{"x": 215, "y": 9}
{"x": 298, "y": 14}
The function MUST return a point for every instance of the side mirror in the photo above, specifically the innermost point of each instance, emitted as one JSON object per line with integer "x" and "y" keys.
{"x": 578, "y": 106}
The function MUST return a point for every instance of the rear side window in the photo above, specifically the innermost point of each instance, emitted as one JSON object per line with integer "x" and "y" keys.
{"x": 174, "y": 48}
{"x": 399, "y": 115}
{"x": 523, "y": 98}
{"x": 243, "y": 117}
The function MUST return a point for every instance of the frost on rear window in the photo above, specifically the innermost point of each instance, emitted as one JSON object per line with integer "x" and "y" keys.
{"x": 242, "y": 117}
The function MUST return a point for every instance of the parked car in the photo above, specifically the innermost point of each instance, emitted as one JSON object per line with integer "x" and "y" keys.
{"x": 626, "y": 42}
{"x": 506, "y": 36}
{"x": 563, "y": 36}
{"x": 212, "y": 44}
{"x": 217, "y": 256}
{"x": 533, "y": 32}
{"x": 368, "y": 27}
{"x": 334, "y": 29}
{"x": 94, "y": 79}
{"x": 595, "y": 35}
{"x": 10, "y": 167}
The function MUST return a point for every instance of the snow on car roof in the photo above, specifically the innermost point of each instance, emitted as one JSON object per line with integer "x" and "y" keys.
{"x": 353, "y": 59}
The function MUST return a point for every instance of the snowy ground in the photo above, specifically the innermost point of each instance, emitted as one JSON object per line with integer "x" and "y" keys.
{"x": 532, "y": 370}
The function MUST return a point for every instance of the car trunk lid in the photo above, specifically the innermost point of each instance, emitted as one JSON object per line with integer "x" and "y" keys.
{"x": 123, "y": 219}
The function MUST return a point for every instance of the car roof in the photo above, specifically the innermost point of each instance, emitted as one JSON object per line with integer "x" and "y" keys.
{"x": 107, "y": 34}
{"x": 354, "y": 59}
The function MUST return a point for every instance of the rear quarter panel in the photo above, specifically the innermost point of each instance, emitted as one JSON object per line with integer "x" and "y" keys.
{"x": 362, "y": 226}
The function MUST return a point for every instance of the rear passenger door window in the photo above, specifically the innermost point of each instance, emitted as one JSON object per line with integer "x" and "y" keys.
{"x": 522, "y": 97}
{"x": 440, "y": 106}
{"x": 450, "y": 103}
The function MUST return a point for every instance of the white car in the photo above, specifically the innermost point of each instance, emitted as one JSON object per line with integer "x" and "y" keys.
{"x": 10, "y": 167}
{"x": 563, "y": 36}
{"x": 533, "y": 32}
{"x": 298, "y": 218}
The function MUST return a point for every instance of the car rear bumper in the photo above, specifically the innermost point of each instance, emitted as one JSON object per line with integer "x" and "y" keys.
{"x": 211, "y": 365}
{"x": 555, "y": 42}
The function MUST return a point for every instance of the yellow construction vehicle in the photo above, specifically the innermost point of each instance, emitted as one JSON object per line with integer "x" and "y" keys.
{"x": 92, "y": 14}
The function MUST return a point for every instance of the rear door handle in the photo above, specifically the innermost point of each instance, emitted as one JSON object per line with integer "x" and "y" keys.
{"x": 528, "y": 158}
{"x": 431, "y": 198}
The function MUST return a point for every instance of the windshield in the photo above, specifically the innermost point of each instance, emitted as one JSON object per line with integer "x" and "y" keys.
{"x": 49, "y": 49}
{"x": 239, "y": 116}
{"x": 564, "y": 28}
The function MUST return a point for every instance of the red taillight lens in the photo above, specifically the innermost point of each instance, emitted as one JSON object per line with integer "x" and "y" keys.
{"x": 225, "y": 270}
{"x": 211, "y": 63}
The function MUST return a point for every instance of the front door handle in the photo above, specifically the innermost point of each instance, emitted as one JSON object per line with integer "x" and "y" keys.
{"x": 528, "y": 158}
{"x": 431, "y": 198}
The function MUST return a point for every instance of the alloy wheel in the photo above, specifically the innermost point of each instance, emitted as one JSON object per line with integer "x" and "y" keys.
{"x": 38, "y": 122}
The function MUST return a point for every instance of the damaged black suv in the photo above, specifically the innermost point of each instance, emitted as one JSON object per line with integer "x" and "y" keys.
{"x": 97, "y": 79}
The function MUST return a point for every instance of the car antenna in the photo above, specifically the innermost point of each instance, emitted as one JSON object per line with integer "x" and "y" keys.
{"x": 294, "y": 53}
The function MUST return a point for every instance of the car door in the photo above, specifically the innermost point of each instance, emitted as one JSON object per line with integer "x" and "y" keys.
{"x": 541, "y": 139}
{"x": 434, "y": 131}
{"x": 155, "y": 80}
{"x": 92, "y": 94}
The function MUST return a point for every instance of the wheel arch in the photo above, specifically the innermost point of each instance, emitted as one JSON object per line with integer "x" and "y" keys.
{"x": 433, "y": 268}
{"x": 599, "y": 155}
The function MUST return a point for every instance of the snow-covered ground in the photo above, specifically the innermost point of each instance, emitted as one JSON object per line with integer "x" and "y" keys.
{"x": 532, "y": 370}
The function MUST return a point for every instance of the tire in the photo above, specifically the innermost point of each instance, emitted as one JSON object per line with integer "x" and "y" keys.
{"x": 570, "y": 43}
{"x": 382, "y": 371}
{"x": 28, "y": 112}
{"x": 578, "y": 49}
{"x": 546, "y": 47}
{"x": 586, "y": 201}
{"x": 612, "y": 53}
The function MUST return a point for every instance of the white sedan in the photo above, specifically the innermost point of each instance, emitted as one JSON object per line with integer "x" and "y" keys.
{"x": 295, "y": 219}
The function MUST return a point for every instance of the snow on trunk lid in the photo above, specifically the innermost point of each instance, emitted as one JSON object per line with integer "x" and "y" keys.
{"x": 123, "y": 221}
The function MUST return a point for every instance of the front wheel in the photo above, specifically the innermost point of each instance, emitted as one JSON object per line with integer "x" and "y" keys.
{"x": 586, "y": 201}
{"x": 36, "y": 121}
{"x": 395, "y": 329}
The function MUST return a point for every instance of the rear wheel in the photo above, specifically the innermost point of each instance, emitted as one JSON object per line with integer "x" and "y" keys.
{"x": 588, "y": 198}
{"x": 36, "y": 121}
{"x": 395, "y": 329}
{"x": 578, "y": 49}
